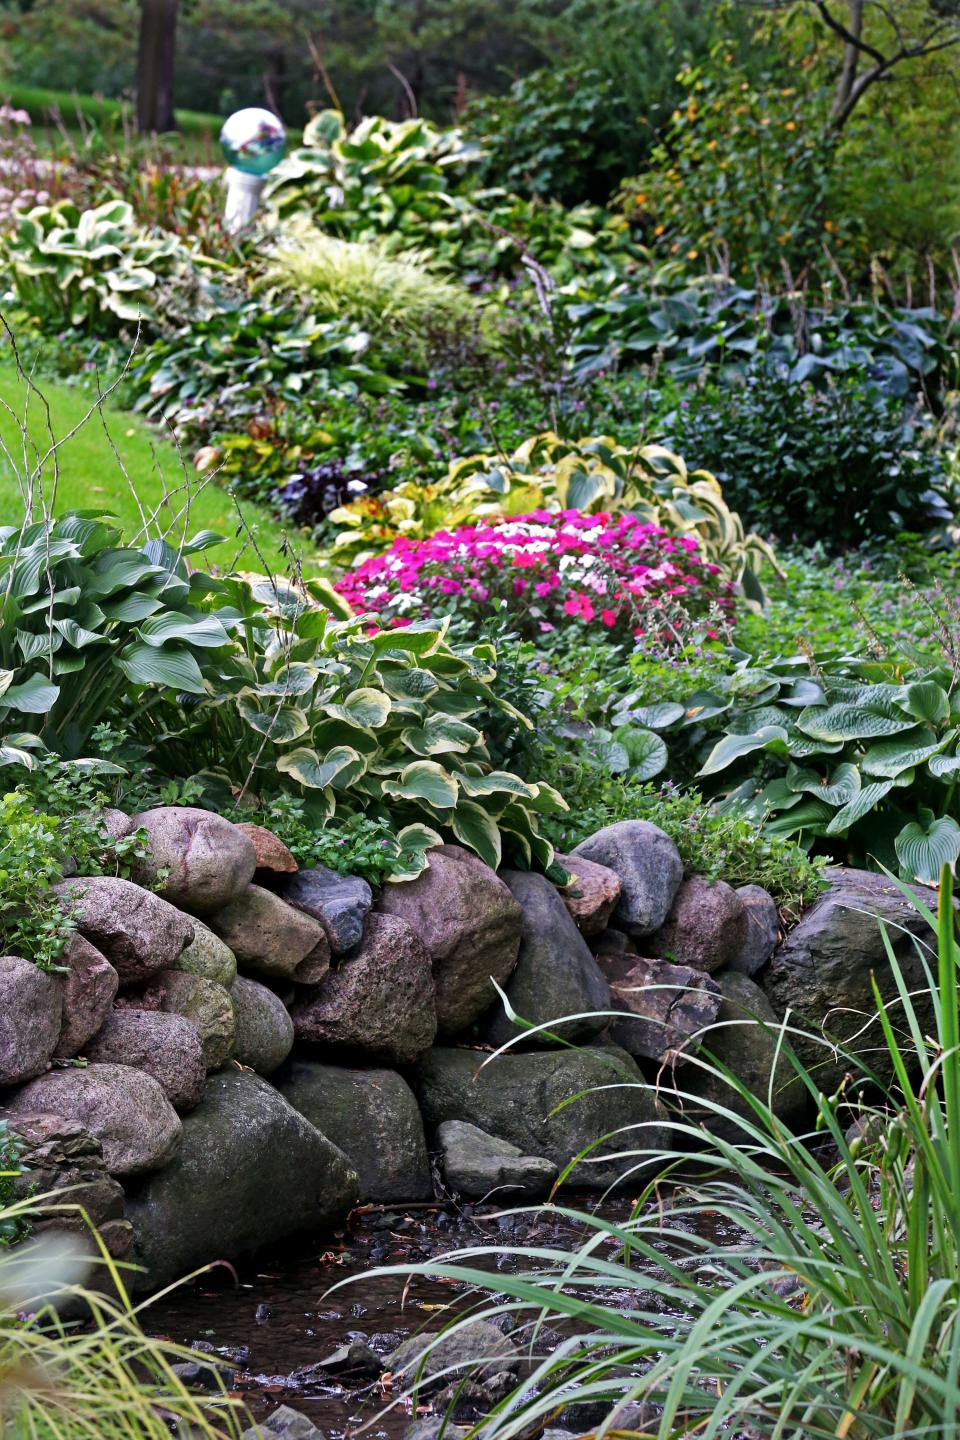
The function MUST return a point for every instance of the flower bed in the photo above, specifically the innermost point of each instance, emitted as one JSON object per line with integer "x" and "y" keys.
{"x": 612, "y": 573}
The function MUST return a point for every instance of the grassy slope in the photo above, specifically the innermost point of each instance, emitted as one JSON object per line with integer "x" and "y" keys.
{"x": 90, "y": 477}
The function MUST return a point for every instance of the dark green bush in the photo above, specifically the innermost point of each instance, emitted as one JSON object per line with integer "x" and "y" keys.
{"x": 840, "y": 465}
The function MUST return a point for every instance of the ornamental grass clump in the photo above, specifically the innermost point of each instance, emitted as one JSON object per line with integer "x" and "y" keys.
{"x": 804, "y": 1283}
{"x": 615, "y": 575}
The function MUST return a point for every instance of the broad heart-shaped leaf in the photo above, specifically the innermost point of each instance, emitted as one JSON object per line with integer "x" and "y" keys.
{"x": 925, "y": 845}
{"x": 133, "y": 607}
{"x": 613, "y": 756}
{"x": 734, "y": 747}
{"x": 427, "y": 781}
{"x": 441, "y": 735}
{"x": 475, "y": 828}
{"x": 944, "y": 766}
{"x": 173, "y": 667}
{"x": 203, "y": 540}
{"x": 306, "y": 766}
{"x": 280, "y": 723}
{"x": 925, "y": 700}
{"x": 422, "y": 637}
{"x": 406, "y": 683}
{"x": 647, "y": 751}
{"x": 418, "y": 837}
{"x": 850, "y": 722}
{"x": 810, "y": 817}
{"x": 750, "y": 721}
{"x": 842, "y": 785}
{"x": 656, "y": 717}
{"x": 294, "y": 679}
{"x": 890, "y": 757}
{"x": 859, "y": 806}
{"x": 498, "y": 782}
{"x": 366, "y": 708}
{"x": 200, "y": 630}
{"x": 802, "y": 747}
{"x": 33, "y": 696}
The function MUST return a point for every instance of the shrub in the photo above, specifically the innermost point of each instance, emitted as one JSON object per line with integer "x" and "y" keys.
{"x": 789, "y": 455}
{"x": 619, "y": 575}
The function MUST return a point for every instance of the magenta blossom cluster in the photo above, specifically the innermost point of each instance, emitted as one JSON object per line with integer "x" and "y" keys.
{"x": 612, "y": 573}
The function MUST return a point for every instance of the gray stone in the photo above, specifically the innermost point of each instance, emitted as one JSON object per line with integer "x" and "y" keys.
{"x": 745, "y": 1042}
{"x": 250, "y": 1171}
{"x": 476, "y": 1164}
{"x": 286, "y": 1423}
{"x": 556, "y": 973}
{"x": 208, "y": 957}
{"x": 207, "y": 1006}
{"x": 822, "y": 973}
{"x": 165, "y": 1046}
{"x": 668, "y": 1005}
{"x": 516, "y": 1097}
{"x": 30, "y": 1007}
{"x": 477, "y": 1349}
{"x": 87, "y": 991}
{"x": 762, "y": 933}
{"x": 380, "y": 1003}
{"x": 372, "y": 1116}
{"x": 650, "y": 870}
{"x": 273, "y": 938}
{"x": 470, "y": 924}
{"x": 199, "y": 860}
{"x": 705, "y": 928}
{"x": 341, "y": 903}
{"x": 263, "y": 1028}
{"x": 123, "y": 1108}
{"x": 137, "y": 931}
{"x": 592, "y": 893}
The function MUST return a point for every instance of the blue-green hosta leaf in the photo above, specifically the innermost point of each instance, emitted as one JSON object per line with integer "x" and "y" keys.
{"x": 280, "y": 723}
{"x": 32, "y": 646}
{"x": 33, "y": 696}
{"x": 842, "y": 785}
{"x": 850, "y": 722}
{"x": 68, "y": 662}
{"x": 498, "y": 782}
{"x": 69, "y": 595}
{"x": 173, "y": 667}
{"x": 802, "y": 748}
{"x": 441, "y": 735}
{"x": 305, "y": 765}
{"x": 944, "y": 765}
{"x": 203, "y": 540}
{"x": 810, "y": 817}
{"x": 118, "y": 570}
{"x": 476, "y": 829}
{"x": 133, "y": 607}
{"x": 76, "y": 635}
{"x": 366, "y": 708}
{"x": 704, "y": 705}
{"x": 891, "y": 757}
{"x": 202, "y": 630}
{"x": 927, "y": 844}
{"x": 925, "y": 700}
{"x": 646, "y": 750}
{"x": 803, "y": 693}
{"x": 860, "y": 805}
{"x": 424, "y": 780}
{"x": 656, "y": 717}
{"x": 734, "y": 747}
{"x": 750, "y": 721}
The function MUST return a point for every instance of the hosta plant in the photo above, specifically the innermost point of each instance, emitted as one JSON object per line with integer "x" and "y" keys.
{"x": 594, "y": 475}
{"x": 87, "y": 268}
{"x": 387, "y": 723}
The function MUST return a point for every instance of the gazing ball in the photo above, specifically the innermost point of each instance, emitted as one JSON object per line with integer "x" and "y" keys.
{"x": 253, "y": 141}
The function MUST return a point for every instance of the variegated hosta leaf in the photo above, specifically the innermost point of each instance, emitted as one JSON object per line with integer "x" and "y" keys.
{"x": 280, "y": 723}
{"x": 474, "y": 827}
{"x": 306, "y": 766}
{"x": 424, "y": 780}
{"x": 366, "y": 708}
{"x": 441, "y": 735}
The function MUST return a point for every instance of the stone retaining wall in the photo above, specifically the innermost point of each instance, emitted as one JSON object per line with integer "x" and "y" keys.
{"x": 248, "y": 1049}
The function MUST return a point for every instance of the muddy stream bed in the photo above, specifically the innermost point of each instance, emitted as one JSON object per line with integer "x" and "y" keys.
{"x": 273, "y": 1320}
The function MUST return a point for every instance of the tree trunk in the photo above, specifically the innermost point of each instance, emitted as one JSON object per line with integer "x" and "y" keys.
{"x": 851, "y": 61}
{"x": 155, "y": 65}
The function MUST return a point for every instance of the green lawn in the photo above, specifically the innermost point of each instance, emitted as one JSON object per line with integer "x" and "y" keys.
{"x": 90, "y": 476}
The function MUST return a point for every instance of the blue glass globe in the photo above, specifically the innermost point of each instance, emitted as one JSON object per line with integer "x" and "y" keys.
{"x": 253, "y": 141}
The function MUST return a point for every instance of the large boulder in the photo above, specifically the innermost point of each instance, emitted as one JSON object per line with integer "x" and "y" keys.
{"x": 380, "y": 1003}
{"x": 668, "y": 1007}
{"x": 208, "y": 957}
{"x": 30, "y": 1008}
{"x": 87, "y": 991}
{"x": 263, "y": 1028}
{"x": 206, "y": 1005}
{"x": 372, "y": 1116}
{"x": 762, "y": 930}
{"x": 705, "y": 927}
{"x": 591, "y": 894}
{"x": 137, "y": 931}
{"x": 823, "y": 970}
{"x": 341, "y": 903}
{"x": 168, "y": 1047}
{"x": 269, "y": 850}
{"x": 470, "y": 925}
{"x": 744, "y": 1041}
{"x": 477, "y": 1165}
{"x": 556, "y": 974}
{"x": 60, "y": 1155}
{"x": 199, "y": 860}
{"x": 516, "y": 1097}
{"x": 284, "y": 1423}
{"x": 269, "y": 936}
{"x": 650, "y": 870}
{"x": 250, "y": 1171}
{"x": 125, "y": 1110}
{"x": 477, "y": 1349}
